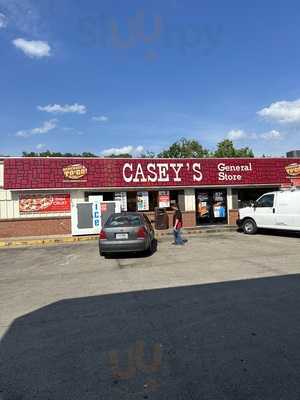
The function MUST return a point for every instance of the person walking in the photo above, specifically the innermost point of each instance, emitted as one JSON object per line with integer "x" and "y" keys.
{"x": 177, "y": 225}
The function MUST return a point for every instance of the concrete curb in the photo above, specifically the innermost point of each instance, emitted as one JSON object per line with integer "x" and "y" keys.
{"x": 161, "y": 237}
{"x": 45, "y": 242}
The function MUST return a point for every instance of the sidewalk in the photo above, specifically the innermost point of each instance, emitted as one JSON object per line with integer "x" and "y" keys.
{"x": 165, "y": 235}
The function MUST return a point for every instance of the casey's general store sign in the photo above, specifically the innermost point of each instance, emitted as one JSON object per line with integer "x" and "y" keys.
{"x": 58, "y": 173}
{"x": 175, "y": 172}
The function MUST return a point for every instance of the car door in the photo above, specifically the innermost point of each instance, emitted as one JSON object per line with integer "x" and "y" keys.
{"x": 264, "y": 212}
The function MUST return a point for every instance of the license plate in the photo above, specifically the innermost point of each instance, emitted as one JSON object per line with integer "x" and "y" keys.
{"x": 121, "y": 235}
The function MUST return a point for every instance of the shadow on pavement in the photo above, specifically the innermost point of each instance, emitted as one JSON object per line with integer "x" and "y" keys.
{"x": 233, "y": 340}
{"x": 275, "y": 233}
{"x": 282, "y": 233}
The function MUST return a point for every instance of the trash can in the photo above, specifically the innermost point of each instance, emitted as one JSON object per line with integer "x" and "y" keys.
{"x": 161, "y": 219}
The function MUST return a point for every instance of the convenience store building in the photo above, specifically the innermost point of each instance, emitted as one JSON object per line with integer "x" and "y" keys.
{"x": 37, "y": 195}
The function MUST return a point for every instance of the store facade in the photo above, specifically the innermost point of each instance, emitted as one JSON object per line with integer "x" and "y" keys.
{"x": 37, "y": 194}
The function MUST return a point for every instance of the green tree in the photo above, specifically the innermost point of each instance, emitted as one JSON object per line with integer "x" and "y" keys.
{"x": 185, "y": 148}
{"x": 125, "y": 155}
{"x": 226, "y": 149}
{"x": 148, "y": 154}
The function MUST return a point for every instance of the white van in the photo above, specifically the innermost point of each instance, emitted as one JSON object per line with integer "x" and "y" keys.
{"x": 275, "y": 210}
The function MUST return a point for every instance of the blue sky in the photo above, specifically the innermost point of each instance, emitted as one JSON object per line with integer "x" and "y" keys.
{"x": 99, "y": 75}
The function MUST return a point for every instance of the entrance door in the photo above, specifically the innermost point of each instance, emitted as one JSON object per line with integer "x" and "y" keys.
{"x": 211, "y": 206}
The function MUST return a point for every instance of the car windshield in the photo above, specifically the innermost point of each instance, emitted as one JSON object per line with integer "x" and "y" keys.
{"x": 123, "y": 220}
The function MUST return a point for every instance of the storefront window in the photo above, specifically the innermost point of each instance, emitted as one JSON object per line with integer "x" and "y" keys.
{"x": 246, "y": 197}
{"x": 107, "y": 196}
{"x": 211, "y": 206}
{"x": 131, "y": 201}
{"x": 142, "y": 200}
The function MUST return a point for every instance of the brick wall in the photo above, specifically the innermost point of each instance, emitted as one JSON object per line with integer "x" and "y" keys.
{"x": 35, "y": 227}
{"x": 189, "y": 218}
{"x": 62, "y": 225}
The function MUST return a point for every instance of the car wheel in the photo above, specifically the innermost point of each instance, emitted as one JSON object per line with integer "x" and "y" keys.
{"x": 249, "y": 227}
{"x": 150, "y": 249}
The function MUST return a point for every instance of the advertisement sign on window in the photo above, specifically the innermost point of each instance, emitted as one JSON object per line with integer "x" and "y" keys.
{"x": 121, "y": 197}
{"x": 142, "y": 201}
{"x": 163, "y": 199}
{"x": 45, "y": 203}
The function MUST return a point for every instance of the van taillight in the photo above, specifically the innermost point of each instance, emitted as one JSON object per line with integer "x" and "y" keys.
{"x": 103, "y": 235}
{"x": 141, "y": 233}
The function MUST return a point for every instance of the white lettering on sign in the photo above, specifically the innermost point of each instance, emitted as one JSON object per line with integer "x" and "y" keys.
{"x": 176, "y": 169}
{"x": 139, "y": 175}
{"x": 232, "y": 172}
{"x": 127, "y": 178}
{"x": 152, "y": 176}
{"x": 198, "y": 176}
{"x": 160, "y": 172}
{"x": 163, "y": 175}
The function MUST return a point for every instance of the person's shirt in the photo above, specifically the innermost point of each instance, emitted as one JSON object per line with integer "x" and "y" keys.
{"x": 177, "y": 217}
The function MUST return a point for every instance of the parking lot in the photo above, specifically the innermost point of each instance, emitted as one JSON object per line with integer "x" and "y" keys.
{"x": 215, "y": 319}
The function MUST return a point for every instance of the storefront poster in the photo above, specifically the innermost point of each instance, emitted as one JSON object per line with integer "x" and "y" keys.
{"x": 142, "y": 201}
{"x": 219, "y": 211}
{"x": 121, "y": 197}
{"x": 45, "y": 203}
{"x": 164, "y": 199}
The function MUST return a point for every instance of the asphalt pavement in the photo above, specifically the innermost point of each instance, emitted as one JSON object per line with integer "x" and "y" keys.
{"x": 215, "y": 319}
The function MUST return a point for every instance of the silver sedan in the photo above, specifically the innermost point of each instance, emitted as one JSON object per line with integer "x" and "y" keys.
{"x": 127, "y": 232}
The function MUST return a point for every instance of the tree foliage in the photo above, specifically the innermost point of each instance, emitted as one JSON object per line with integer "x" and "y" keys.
{"x": 226, "y": 149}
{"x": 185, "y": 148}
{"x": 124, "y": 155}
{"x": 148, "y": 154}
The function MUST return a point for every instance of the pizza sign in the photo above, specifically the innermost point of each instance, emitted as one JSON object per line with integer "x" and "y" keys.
{"x": 293, "y": 169}
{"x": 45, "y": 203}
{"x": 75, "y": 171}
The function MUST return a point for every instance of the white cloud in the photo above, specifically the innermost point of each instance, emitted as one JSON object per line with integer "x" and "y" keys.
{"x": 123, "y": 150}
{"x": 237, "y": 134}
{"x": 282, "y": 111}
{"x": 3, "y": 21}
{"x": 102, "y": 118}
{"x": 40, "y": 146}
{"x": 46, "y": 127}
{"x": 33, "y": 48}
{"x": 67, "y": 108}
{"x": 272, "y": 135}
